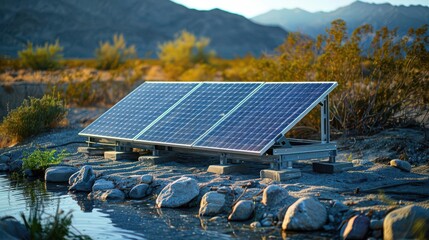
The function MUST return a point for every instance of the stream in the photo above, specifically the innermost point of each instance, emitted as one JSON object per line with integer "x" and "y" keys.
{"x": 127, "y": 220}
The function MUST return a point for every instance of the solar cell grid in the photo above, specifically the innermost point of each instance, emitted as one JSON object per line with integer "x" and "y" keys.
{"x": 197, "y": 113}
{"x": 265, "y": 115}
{"x": 137, "y": 110}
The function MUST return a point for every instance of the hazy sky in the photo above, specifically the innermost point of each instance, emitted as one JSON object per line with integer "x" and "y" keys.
{"x": 251, "y": 8}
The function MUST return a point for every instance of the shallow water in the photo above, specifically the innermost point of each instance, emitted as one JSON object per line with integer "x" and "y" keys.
{"x": 129, "y": 220}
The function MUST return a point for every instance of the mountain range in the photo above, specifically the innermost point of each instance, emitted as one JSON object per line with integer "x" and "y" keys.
{"x": 355, "y": 15}
{"x": 80, "y": 25}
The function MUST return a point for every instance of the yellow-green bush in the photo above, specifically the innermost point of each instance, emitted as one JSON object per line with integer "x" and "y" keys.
{"x": 184, "y": 53}
{"x": 111, "y": 56}
{"x": 32, "y": 117}
{"x": 45, "y": 57}
{"x": 42, "y": 159}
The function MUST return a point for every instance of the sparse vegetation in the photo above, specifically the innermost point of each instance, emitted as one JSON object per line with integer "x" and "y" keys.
{"x": 111, "y": 56}
{"x": 186, "y": 57}
{"x": 42, "y": 159}
{"x": 45, "y": 57}
{"x": 45, "y": 226}
{"x": 32, "y": 117}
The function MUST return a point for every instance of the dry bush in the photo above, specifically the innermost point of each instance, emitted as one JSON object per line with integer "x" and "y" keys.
{"x": 111, "y": 56}
{"x": 45, "y": 57}
{"x": 32, "y": 117}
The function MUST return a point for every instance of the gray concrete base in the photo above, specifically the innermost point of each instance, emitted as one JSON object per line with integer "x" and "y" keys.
{"x": 113, "y": 155}
{"x": 155, "y": 160}
{"x": 280, "y": 175}
{"x": 327, "y": 167}
{"x": 225, "y": 169}
{"x": 91, "y": 151}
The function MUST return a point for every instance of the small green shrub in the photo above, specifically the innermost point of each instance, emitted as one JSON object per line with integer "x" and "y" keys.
{"x": 111, "y": 56}
{"x": 42, "y": 159}
{"x": 45, "y": 57}
{"x": 32, "y": 117}
{"x": 56, "y": 226}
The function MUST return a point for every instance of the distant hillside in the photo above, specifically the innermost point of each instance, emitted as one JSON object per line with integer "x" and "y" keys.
{"x": 355, "y": 14}
{"x": 81, "y": 24}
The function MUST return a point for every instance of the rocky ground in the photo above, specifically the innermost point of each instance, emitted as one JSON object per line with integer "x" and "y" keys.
{"x": 380, "y": 196}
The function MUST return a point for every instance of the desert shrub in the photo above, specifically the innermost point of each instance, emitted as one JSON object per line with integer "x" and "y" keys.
{"x": 47, "y": 226}
{"x": 32, "y": 117}
{"x": 42, "y": 159}
{"x": 183, "y": 53}
{"x": 111, "y": 56}
{"x": 200, "y": 72}
{"x": 45, "y": 57}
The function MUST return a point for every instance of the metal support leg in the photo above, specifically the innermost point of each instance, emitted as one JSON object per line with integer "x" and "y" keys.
{"x": 332, "y": 156}
{"x": 324, "y": 127}
{"x": 155, "y": 152}
{"x": 289, "y": 164}
{"x": 223, "y": 159}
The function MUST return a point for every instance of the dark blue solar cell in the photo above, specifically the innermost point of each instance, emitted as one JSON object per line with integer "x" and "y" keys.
{"x": 137, "y": 110}
{"x": 272, "y": 110}
{"x": 197, "y": 113}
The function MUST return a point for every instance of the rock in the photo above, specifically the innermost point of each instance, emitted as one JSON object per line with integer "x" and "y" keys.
{"x": 10, "y": 228}
{"x": 356, "y": 228}
{"x": 361, "y": 162}
{"x": 178, "y": 193}
{"x": 305, "y": 214}
{"x": 273, "y": 196}
{"x": 4, "y": 159}
{"x": 338, "y": 207}
{"x": 211, "y": 204}
{"x": 266, "y": 222}
{"x": 243, "y": 210}
{"x": 409, "y": 222}
{"x": 331, "y": 218}
{"x": 113, "y": 195}
{"x": 4, "y": 167}
{"x": 59, "y": 173}
{"x": 376, "y": 224}
{"x": 224, "y": 190}
{"x": 146, "y": 178}
{"x": 255, "y": 225}
{"x": 139, "y": 191}
{"x": 403, "y": 165}
{"x": 15, "y": 165}
{"x": 127, "y": 183}
{"x": 82, "y": 180}
{"x": 102, "y": 184}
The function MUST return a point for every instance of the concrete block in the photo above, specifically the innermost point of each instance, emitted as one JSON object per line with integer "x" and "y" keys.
{"x": 280, "y": 175}
{"x": 225, "y": 169}
{"x": 113, "y": 155}
{"x": 327, "y": 167}
{"x": 155, "y": 160}
{"x": 91, "y": 151}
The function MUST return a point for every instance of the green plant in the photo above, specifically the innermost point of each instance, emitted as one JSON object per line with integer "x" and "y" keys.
{"x": 111, "y": 56}
{"x": 45, "y": 57}
{"x": 56, "y": 226}
{"x": 185, "y": 52}
{"x": 32, "y": 117}
{"x": 42, "y": 159}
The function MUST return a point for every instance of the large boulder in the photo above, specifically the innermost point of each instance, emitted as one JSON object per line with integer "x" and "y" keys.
{"x": 211, "y": 204}
{"x": 4, "y": 159}
{"x": 403, "y": 165}
{"x": 139, "y": 191}
{"x": 410, "y": 222}
{"x": 178, "y": 193}
{"x": 242, "y": 211}
{"x": 274, "y": 196}
{"x": 102, "y": 184}
{"x": 82, "y": 180}
{"x": 59, "y": 173}
{"x": 356, "y": 228}
{"x": 16, "y": 165}
{"x": 306, "y": 214}
{"x": 10, "y": 228}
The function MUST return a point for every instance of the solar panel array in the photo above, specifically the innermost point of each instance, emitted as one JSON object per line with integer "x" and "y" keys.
{"x": 226, "y": 117}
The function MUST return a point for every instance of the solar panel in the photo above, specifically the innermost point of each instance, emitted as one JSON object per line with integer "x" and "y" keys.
{"x": 137, "y": 110}
{"x": 273, "y": 110}
{"x": 197, "y": 113}
{"x": 226, "y": 117}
